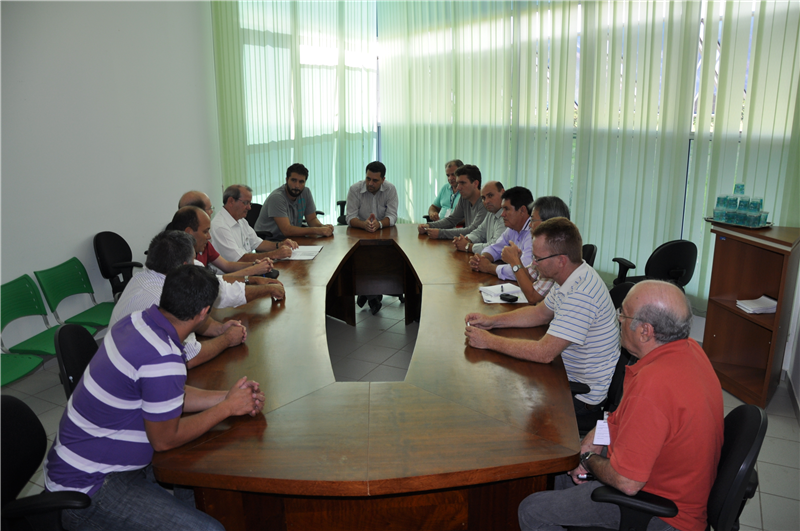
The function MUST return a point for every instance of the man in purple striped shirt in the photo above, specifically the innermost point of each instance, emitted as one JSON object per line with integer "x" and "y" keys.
{"x": 129, "y": 403}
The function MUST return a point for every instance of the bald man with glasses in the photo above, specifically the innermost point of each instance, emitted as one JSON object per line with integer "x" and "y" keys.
{"x": 581, "y": 319}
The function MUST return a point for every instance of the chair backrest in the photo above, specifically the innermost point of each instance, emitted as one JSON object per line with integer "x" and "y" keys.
{"x": 745, "y": 428}
{"x": 672, "y": 261}
{"x": 342, "y": 218}
{"x": 75, "y": 348}
{"x": 20, "y": 298}
{"x": 252, "y": 215}
{"x": 111, "y": 249}
{"x": 24, "y": 443}
{"x": 589, "y": 252}
{"x": 62, "y": 281}
{"x": 619, "y": 292}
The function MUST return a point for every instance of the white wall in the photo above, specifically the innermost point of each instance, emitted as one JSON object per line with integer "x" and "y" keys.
{"x": 108, "y": 116}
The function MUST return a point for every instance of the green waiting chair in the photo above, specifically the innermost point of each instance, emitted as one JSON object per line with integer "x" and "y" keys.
{"x": 65, "y": 280}
{"x": 20, "y": 298}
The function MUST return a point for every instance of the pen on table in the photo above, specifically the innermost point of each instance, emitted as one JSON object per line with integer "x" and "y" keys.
{"x": 501, "y": 289}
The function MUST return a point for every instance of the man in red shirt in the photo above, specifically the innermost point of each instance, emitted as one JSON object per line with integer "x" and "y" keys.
{"x": 666, "y": 435}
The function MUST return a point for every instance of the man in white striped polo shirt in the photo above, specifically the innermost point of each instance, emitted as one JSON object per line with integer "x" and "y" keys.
{"x": 582, "y": 321}
{"x": 129, "y": 403}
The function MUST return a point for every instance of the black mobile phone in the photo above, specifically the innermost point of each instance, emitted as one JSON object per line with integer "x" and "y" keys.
{"x": 508, "y": 297}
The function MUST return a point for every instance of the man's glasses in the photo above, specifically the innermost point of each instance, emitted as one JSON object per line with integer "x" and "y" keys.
{"x": 621, "y": 315}
{"x": 245, "y": 203}
{"x": 537, "y": 260}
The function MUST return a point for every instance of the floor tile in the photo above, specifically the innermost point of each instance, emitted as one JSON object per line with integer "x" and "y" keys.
{"x": 781, "y": 404}
{"x": 779, "y": 514}
{"x": 358, "y": 335}
{"x": 341, "y": 347}
{"x": 779, "y": 480}
{"x": 729, "y": 400}
{"x": 51, "y": 365}
{"x": 38, "y": 405}
{"x": 393, "y": 312}
{"x": 408, "y": 330}
{"x": 384, "y": 373}
{"x": 55, "y": 394}
{"x": 36, "y": 382}
{"x": 783, "y": 428}
{"x": 31, "y": 489}
{"x": 372, "y": 353}
{"x": 50, "y": 419}
{"x": 378, "y": 322}
{"x": 38, "y": 478}
{"x": 748, "y": 528}
{"x": 390, "y": 340}
{"x": 751, "y": 515}
{"x": 780, "y": 452}
{"x": 352, "y": 368}
{"x": 13, "y": 392}
{"x": 401, "y": 360}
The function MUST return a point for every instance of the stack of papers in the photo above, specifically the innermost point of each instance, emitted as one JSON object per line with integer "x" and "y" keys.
{"x": 761, "y": 305}
{"x": 491, "y": 294}
{"x": 305, "y": 252}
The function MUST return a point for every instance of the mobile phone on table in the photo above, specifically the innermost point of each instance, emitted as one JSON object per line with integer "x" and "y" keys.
{"x": 508, "y": 297}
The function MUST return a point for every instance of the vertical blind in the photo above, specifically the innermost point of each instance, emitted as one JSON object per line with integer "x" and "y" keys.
{"x": 638, "y": 114}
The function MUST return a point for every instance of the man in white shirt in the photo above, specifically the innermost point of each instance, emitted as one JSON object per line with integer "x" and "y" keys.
{"x": 234, "y": 238}
{"x": 372, "y": 203}
{"x": 168, "y": 251}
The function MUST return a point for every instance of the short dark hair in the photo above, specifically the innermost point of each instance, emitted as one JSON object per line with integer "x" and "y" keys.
{"x": 187, "y": 290}
{"x": 550, "y": 206}
{"x": 234, "y": 191}
{"x": 169, "y": 250}
{"x": 518, "y": 196}
{"x": 377, "y": 167}
{"x": 298, "y": 169}
{"x": 187, "y": 216}
{"x": 472, "y": 172}
{"x": 562, "y": 237}
{"x": 457, "y": 162}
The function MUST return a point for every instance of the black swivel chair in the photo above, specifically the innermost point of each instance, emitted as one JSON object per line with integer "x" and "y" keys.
{"x": 672, "y": 261}
{"x": 589, "y": 252}
{"x": 342, "y": 219}
{"x": 24, "y": 444}
{"x": 114, "y": 257}
{"x": 252, "y": 217}
{"x": 737, "y": 479}
{"x": 75, "y": 348}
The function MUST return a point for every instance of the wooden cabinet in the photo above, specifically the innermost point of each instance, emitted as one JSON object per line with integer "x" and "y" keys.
{"x": 745, "y": 349}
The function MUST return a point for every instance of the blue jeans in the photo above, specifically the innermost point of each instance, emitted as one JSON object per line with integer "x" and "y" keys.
{"x": 572, "y": 505}
{"x": 134, "y": 501}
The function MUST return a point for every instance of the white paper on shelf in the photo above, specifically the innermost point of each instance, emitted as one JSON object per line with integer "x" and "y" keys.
{"x": 761, "y": 305}
{"x": 491, "y": 294}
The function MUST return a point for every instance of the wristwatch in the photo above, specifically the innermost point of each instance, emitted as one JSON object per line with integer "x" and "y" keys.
{"x": 516, "y": 268}
{"x": 246, "y": 279}
{"x": 585, "y": 459}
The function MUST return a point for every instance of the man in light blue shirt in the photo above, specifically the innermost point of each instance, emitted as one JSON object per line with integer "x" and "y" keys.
{"x": 516, "y": 215}
{"x": 448, "y": 197}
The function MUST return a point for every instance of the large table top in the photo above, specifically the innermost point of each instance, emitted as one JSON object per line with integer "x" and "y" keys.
{"x": 462, "y": 416}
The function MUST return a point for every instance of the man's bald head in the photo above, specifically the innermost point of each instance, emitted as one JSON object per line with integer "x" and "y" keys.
{"x": 661, "y": 305}
{"x": 196, "y": 199}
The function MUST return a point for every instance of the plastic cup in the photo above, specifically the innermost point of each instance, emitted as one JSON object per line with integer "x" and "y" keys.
{"x": 744, "y": 203}
{"x": 753, "y": 219}
{"x": 719, "y": 214}
{"x": 733, "y": 202}
{"x": 763, "y": 221}
{"x": 738, "y": 188}
{"x": 756, "y": 204}
{"x": 722, "y": 201}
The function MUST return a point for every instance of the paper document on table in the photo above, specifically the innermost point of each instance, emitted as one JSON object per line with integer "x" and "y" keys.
{"x": 491, "y": 294}
{"x": 601, "y": 435}
{"x": 305, "y": 252}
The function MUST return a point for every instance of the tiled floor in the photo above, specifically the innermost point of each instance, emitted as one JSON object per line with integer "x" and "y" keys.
{"x": 379, "y": 349}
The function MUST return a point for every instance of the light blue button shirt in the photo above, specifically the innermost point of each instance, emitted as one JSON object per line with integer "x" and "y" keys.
{"x": 521, "y": 239}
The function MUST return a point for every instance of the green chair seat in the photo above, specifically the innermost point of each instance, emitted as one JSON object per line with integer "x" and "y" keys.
{"x": 15, "y": 366}
{"x": 41, "y": 343}
{"x": 97, "y": 316}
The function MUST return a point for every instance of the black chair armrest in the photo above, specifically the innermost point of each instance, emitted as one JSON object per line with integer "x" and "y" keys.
{"x": 624, "y": 266}
{"x": 264, "y": 234}
{"x": 642, "y": 501}
{"x": 579, "y": 388}
{"x": 427, "y": 219}
{"x": 320, "y": 213}
{"x": 45, "y": 502}
{"x": 752, "y": 486}
{"x": 126, "y": 265}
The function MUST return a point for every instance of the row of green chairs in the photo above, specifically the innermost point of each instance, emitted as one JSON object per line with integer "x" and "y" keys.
{"x": 21, "y": 298}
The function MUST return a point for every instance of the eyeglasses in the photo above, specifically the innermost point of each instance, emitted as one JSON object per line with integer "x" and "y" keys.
{"x": 245, "y": 203}
{"x": 537, "y": 260}
{"x": 621, "y": 315}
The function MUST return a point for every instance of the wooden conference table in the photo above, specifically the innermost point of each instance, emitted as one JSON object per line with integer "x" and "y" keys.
{"x": 457, "y": 445}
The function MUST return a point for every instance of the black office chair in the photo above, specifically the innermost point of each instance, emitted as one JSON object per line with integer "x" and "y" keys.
{"x": 342, "y": 219}
{"x": 114, "y": 257}
{"x": 672, "y": 261}
{"x": 75, "y": 348}
{"x": 252, "y": 217}
{"x": 24, "y": 443}
{"x": 589, "y": 253}
{"x": 737, "y": 479}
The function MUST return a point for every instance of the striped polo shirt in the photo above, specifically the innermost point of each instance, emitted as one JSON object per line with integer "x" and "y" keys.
{"x": 585, "y": 316}
{"x": 138, "y": 373}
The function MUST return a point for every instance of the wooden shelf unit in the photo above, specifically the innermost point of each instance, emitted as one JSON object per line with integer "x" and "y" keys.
{"x": 745, "y": 349}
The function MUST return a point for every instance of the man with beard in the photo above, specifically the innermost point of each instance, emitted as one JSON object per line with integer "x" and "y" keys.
{"x": 287, "y": 206}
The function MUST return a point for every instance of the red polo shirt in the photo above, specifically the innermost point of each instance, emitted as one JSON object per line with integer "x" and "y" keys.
{"x": 209, "y": 255}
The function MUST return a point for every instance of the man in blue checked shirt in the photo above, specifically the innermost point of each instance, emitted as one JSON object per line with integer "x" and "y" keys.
{"x": 582, "y": 321}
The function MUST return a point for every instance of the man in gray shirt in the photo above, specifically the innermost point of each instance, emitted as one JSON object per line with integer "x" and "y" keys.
{"x": 492, "y": 227}
{"x": 372, "y": 203}
{"x": 470, "y": 209}
{"x": 285, "y": 208}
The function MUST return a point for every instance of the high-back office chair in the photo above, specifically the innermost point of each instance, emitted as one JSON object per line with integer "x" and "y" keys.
{"x": 24, "y": 443}
{"x": 672, "y": 261}
{"x": 589, "y": 252}
{"x": 75, "y": 348}
{"x": 342, "y": 219}
{"x": 252, "y": 217}
{"x": 114, "y": 257}
{"x": 737, "y": 479}
{"x": 65, "y": 280}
